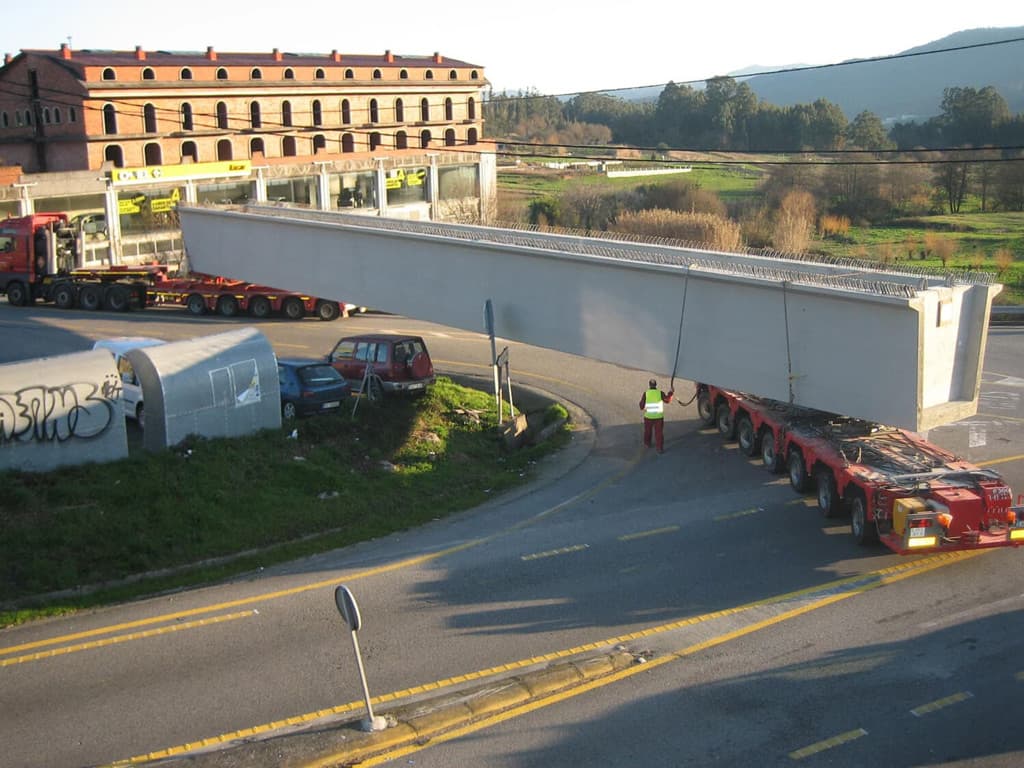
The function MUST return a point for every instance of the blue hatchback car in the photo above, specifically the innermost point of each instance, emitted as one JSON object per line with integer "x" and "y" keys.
{"x": 310, "y": 386}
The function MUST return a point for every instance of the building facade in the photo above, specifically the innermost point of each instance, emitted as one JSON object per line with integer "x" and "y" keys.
{"x": 118, "y": 137}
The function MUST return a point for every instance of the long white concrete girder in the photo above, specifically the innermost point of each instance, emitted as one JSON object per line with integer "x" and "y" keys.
{"x": 898, "y": 348}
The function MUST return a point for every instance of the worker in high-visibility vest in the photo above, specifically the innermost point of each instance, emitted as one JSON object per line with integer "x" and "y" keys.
{"x": 652, "y": 403}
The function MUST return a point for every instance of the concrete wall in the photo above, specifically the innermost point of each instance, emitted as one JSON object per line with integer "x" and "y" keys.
{"x": 223, "y": 385}
{"x": 61, "y": 411}
{"x": 795, "y": 331}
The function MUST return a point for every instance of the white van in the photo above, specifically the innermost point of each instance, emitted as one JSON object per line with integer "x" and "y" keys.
{"x": 131, "y": 390}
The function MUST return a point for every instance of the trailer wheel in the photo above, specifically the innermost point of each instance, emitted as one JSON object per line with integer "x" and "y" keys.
{"x": 797, "y": 471}
{"x": 746, "y": 436}
{"x": 260, "y": 307}
{"x": 864, "y": 531}
{"x": 328, "y": 310}
{"x": 117, "y": 298}
{"x": 17, "y": 294}
{"x": 227, "y": 306}
{"x": 770, "y": 457}
{"x": 828, "y": 498}
{"x": 90, "y": 297}
{"x": 705, "y": 409}
{"x": 293, "y": 308}
{"x": 196, "y": 304}
{"x": 64, "y": 296}
{"x": 725, "y": 422}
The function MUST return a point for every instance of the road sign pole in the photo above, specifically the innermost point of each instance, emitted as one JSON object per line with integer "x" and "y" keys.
{"x": 349, "y": 610}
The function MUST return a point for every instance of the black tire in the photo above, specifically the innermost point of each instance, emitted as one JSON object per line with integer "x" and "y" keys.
{"x": 227, "y": 306}
{"x": 288, "y": 410}
{"x": 724, "y": 421}
{"x": 828, "y": 499}
{"x": 260, "y": 307}
{"x": 746, "y": 436}
{"x": 797, "y": 471}
{"x": 864, "y": 531}
{"x": 90, "y": 297}
{"x": 17, "y": 294}
{"x": 328, "y": 310}
{"x": 196, "y": 304}
{"x": 117, "y": 298}
{"x": 770, "y": 457}
{"x": 293, "y": 308}
{"x": 64, "y": 296}
{"x": 705, "y": 408}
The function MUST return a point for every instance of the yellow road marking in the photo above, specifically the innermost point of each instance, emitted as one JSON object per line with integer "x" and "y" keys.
{"x": 734, "y": 515}
{"x": 645, "y": 534}
{"x": 932, "y": 706}
{"x": 821, "y": 746}
{"x": 124, "y": 638}
{"x": 1004, "y": 460}
{"x": 855, "y": 585}
{"x": 556, "y": 552}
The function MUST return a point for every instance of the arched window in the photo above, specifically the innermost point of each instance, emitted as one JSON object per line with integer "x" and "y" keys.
{"x": 374, "y": 140}
{"x": 72, "y": 114}
{"x": 471, "y": 108}
{"x": 399, "y": 111}
{"x": 56, "y": 115}
{"x": 109, "y": 74}
{"x": 348, "y": 143}
{"x": 288, "y": 146}
{"x": 46, "y": 115}
{"x": 401, "y": 140}
{"x": 153, "y": 154}
{"x": 318, "y": 113}
{"x": 319, "y": 143}
{"x": 148, "y": 74}
{"x": 346, "y": 112}
{"x": 474, "y": 75}
{"x": 376, "y": 74}
{"x": 222, "y": 115}
{"x": 28, "y": 117}
{"x": 222, "y": 74}
{"x": 256, "y": 74}
{"x": 256, "y": 147}
{"x": 109, "y": 120}
{"x": 289, "y": 73}
{"x": 424, "y": 139}
{"x": 18, "y": 119}
{"x": 453, "y": 75}
{"x": 319, "y": 74}
{"x": 286, "y": 114}
{"x": 350, "y": 75}
{"x": 471, "y": 136}
{"x": 449, "y": 110}
{"x": 114, "y": 154}
{"x": 428, "y": 75}
{"x": 424, "y": 110}
{"x": 149, "y": 118}
{"x": 224, "y": 150}
{"x": 185, "y": 74}
{"x": 403, "y": 74}
{"x": 189, "y": 151}
{"x": 5, "y": 120}
{"x": 254, "y": 115}
{"x": 187, "y": 123}
{"x": 374, "y": 111}
{"x": 449, "y": 137}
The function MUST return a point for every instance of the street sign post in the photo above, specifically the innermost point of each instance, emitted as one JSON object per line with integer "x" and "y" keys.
{"x": 349, "y": 610}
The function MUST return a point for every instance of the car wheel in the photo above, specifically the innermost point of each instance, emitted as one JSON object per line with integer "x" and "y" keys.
{"x": 293, "y": 308}
{"x": 746, "y": 436}
{"x": 328, "y": 310}
{"x": 725, "y": 422}
{"x": 227, "y": 306}
{"x": 797, "y": 471}
{"x": 90, "y": 297}
{"x": 117, "y": 298}
{"x": 17, "y": 294}
{"x": 64, "y": 296}
{"x": 828, "y": 498}
{"x": 288, "y": 411}
{"x": 705, "y": 409}
{"x": 260, "y": 307}
{"x": 196, "y": 304}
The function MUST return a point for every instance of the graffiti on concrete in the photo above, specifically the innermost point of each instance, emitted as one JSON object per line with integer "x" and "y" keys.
{"x": 81, "y": 409}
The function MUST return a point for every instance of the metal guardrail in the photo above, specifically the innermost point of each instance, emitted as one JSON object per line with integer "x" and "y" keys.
{"x": 1007, "y": 315}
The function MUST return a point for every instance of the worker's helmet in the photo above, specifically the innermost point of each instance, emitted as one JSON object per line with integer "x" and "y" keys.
{"x": 652, "y": 383}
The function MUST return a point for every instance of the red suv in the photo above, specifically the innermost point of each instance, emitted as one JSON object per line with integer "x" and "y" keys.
{"x": 399, "y": 364}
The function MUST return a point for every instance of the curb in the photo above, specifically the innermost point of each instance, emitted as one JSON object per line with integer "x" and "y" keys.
{"x": 342, "y": 742}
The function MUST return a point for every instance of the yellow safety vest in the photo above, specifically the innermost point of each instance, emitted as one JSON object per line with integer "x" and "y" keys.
{"x": 654, "y": 408}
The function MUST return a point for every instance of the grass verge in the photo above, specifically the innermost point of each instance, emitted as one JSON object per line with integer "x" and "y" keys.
{"x": 209, "y": 509}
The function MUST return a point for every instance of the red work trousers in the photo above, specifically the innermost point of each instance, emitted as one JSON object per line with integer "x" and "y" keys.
{"x": 658, "y": 427}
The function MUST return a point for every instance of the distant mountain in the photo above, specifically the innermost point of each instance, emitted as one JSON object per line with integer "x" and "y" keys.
{"x": 907, "y": 88}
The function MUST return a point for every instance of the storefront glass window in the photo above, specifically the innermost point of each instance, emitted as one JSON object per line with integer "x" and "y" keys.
{"x": 235, "y": 192}
{"x": 149, "y": 209}
{"x": 407, "y": 185}
{"x": 301, "y": 190}
{"x": 458, "y": 182}
{"x": 353, "y": 190}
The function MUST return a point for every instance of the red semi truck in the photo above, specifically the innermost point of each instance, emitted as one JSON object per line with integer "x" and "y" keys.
{"x": 38, "y": 262}
{"x": 897, "y": 487}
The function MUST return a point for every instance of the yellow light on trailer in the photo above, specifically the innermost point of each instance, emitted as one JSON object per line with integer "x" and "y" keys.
{"x": 1017, "y": 534}
{"x": 920, "y": 542}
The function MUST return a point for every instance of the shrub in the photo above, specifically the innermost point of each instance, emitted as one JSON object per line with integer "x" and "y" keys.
{"x": 714, "y": 231}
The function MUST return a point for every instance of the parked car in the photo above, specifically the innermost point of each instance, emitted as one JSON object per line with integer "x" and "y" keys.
{"x": 131, "y": 389}
{"x": 309, "y": 386}
{"x": 399, "y": 364}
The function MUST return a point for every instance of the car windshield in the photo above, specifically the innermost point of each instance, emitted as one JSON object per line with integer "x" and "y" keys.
{"x": 318, "y": 374}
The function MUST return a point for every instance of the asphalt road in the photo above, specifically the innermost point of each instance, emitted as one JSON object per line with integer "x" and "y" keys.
{"x": 771, "y": 638}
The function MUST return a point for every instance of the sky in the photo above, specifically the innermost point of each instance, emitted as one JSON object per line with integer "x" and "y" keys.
{"x": 558, "y": 47}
